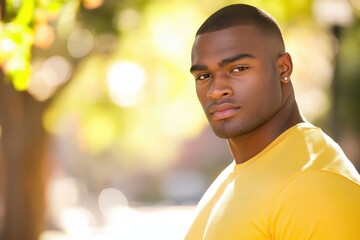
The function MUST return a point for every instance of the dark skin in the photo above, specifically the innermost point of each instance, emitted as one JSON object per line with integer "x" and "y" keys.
{"x": 243, "y": 84}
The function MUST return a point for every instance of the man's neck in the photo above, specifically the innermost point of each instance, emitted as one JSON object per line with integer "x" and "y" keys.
{"x": 247, "y": 146}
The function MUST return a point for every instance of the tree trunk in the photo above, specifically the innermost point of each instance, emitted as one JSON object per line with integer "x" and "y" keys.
{"x": 23, "y": 142}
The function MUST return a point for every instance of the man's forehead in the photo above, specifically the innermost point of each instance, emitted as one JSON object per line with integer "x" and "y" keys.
{"x": 238, "y": 39}
{"x": 228, "y": 35}
{"x": 227, "y": 39}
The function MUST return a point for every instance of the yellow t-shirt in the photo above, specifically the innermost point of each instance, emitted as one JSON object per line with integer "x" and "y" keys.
{"x": 301, "y": 186}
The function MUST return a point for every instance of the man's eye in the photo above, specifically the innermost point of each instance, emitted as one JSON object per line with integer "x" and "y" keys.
{"x": 239, "y": 69}
{"x": 203, "y": 76}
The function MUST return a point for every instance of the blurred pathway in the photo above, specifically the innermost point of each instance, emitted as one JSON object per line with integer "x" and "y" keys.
{"x": 153, "y": 223}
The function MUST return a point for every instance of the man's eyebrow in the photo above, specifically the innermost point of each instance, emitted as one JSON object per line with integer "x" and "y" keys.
{"x": 199, "y": 67}
{"x": 235, "y": 58}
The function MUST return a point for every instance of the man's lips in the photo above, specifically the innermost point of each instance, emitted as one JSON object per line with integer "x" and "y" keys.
{"x": 222, "y": 110}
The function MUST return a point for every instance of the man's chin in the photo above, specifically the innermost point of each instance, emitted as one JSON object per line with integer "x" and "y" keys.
{"x": 228, "y": 132}
{"x": 225, "y": 134}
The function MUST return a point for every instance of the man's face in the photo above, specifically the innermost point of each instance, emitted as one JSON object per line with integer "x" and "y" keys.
{"x": 237, "y": 79}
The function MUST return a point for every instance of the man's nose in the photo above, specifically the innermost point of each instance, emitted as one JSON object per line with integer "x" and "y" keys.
{"x": 219, "y": 87}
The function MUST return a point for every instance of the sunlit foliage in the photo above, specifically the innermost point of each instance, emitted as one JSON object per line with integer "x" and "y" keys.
{"x": 25, "y": 23}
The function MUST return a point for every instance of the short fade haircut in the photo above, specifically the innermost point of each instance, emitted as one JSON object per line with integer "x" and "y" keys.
{"x": 241, "y": 14}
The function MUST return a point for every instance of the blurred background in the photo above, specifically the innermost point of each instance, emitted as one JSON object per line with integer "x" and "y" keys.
{"x": 102, "y": 136}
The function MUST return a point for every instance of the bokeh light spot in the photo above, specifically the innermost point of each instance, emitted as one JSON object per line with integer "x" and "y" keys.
{"x": 110, "y": 199}
{"x": 125, "y": 82}
{"x": 80, "y": 43}
{"x": 48, "y": 76}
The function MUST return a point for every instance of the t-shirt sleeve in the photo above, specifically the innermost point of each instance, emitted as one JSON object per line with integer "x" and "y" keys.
{"x": 316, "y": 205}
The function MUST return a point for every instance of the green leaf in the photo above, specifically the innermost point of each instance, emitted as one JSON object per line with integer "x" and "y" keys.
{"x": 52, "y": 5}
{"x": 21, "y": 78}
{"x": 16, "y": 40}
{"x": 25, "y": 13}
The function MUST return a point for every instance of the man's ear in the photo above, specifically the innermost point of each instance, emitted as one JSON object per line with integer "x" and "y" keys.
{"x": 285, "y": 67}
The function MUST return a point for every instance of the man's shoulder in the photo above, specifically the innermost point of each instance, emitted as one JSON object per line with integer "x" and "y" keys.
{"x": 322, "y": 181}
{"x": 314, "y": 191}
{"x": 324, "y": 154}
{"x": 319, "y": 203}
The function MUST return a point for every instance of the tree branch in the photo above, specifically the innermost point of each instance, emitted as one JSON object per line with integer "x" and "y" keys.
{"x": 2, "y": 10}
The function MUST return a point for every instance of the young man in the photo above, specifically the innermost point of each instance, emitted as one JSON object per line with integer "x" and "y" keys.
{"x": 289, "y": 180}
